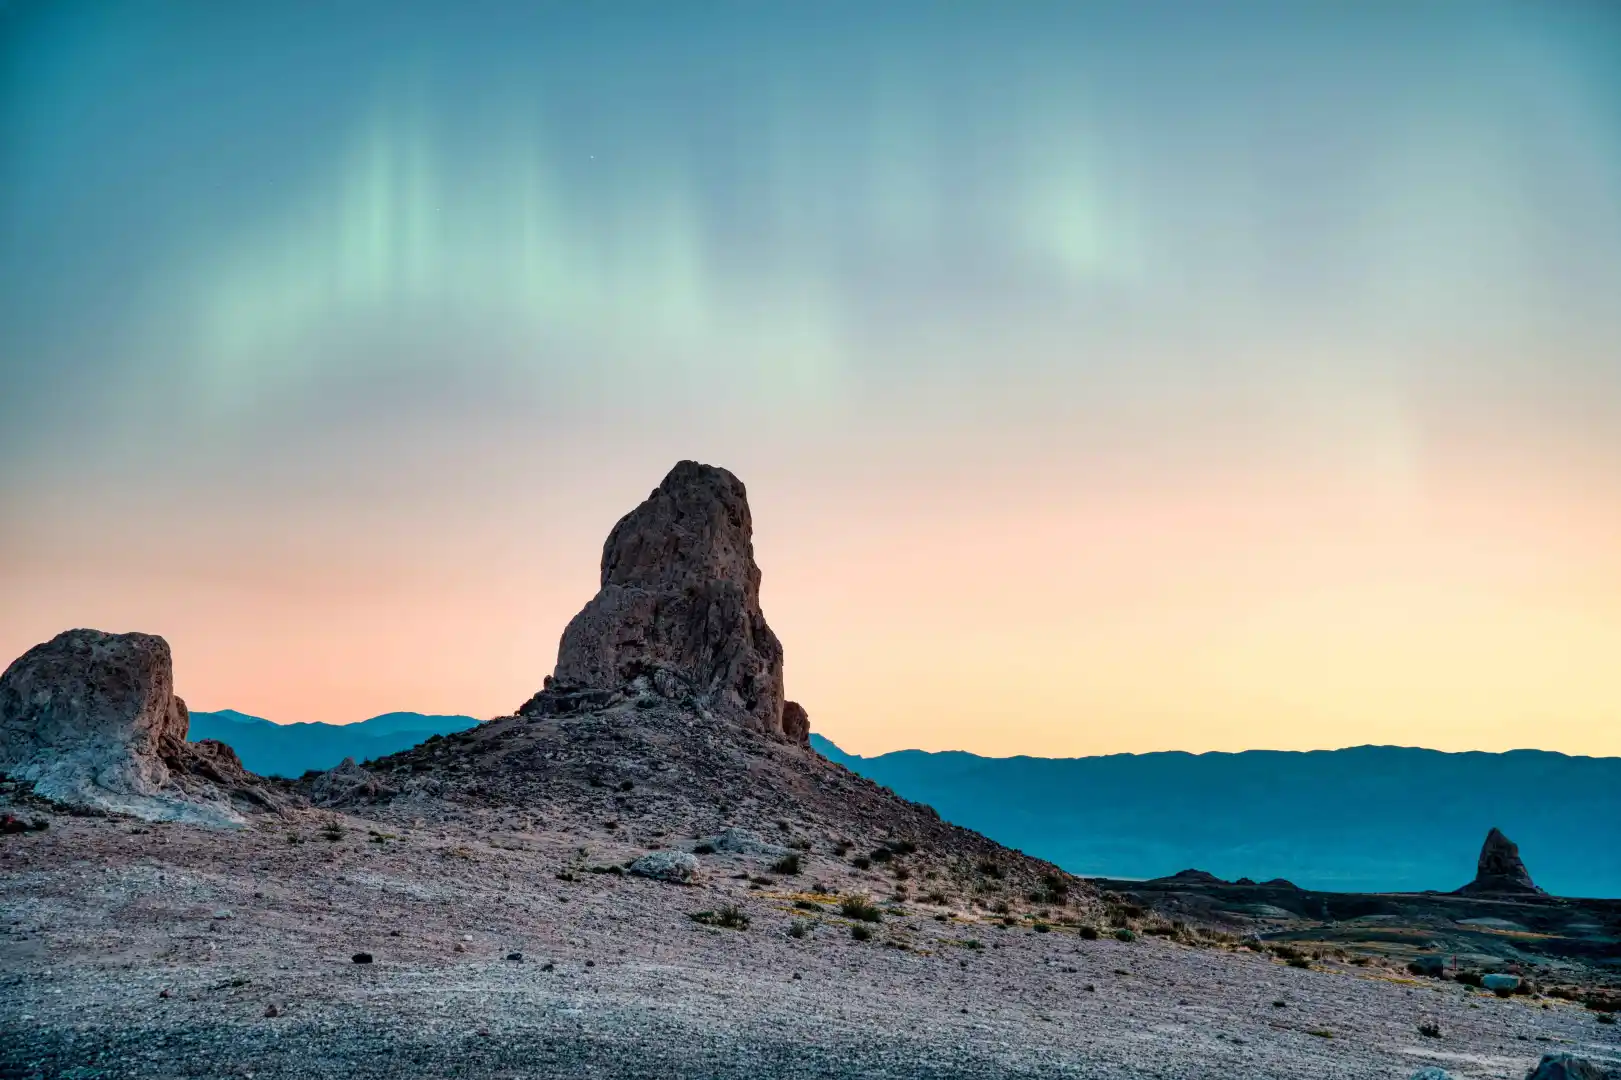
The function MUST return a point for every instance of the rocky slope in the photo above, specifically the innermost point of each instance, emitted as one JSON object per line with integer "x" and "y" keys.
{"x": 666, "y": 720}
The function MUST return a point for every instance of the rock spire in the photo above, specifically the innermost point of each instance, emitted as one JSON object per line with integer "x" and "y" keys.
{"x": 1500, "y": 870}
{"x": 678, "y": 612}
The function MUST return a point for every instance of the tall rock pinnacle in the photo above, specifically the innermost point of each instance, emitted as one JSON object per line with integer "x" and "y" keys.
{"x": 679, "y": 606}
{"x": 1500, "y": 869}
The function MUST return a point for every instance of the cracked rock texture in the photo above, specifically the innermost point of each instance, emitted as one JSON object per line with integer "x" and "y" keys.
{"x": 91, "y": 720}
{"x": 679, "y": 606}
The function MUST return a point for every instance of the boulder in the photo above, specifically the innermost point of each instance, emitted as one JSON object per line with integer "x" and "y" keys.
{"x": 1570, "y": 1067}
{"x": 743, "y": 842}
{"x": 676, "y": 866}
{"x": 90, "y": 720}
{"x": 1498, "y": 981}
{"x": 1431, "y": 1073}
{"x": 678, "y": 610}
{"x": 1500, "y": 870}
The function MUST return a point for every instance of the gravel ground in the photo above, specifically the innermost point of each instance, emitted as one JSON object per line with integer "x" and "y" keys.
{"x": 158, "y": 952}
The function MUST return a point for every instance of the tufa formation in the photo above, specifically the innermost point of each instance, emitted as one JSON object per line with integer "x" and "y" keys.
{"x": 1500, "y": 870}
{"x": 90, "y": 720}
{"x": 678, "y": 613}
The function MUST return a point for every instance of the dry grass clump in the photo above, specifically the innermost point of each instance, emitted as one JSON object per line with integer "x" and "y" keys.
{"x": 859, "y": 906}
{"x": 728, "y": 915}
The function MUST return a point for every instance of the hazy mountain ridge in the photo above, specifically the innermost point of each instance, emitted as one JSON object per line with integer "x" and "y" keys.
{"x": 1363, "y": 818}
{"x": 273, "y": 749}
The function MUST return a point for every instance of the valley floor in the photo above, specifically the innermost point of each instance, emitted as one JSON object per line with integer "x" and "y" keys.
{"x": 157, "y": 951}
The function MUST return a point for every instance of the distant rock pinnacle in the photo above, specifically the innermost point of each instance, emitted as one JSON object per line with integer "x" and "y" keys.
{"x": 679, "y": 609}
{"x": 1500, "y": 870}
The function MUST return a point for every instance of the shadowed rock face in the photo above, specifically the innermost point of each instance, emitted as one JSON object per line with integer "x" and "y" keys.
{"x": 90, "y": 719}
{"x": 1500, "y": 869}
{"x": 679, "y": 609}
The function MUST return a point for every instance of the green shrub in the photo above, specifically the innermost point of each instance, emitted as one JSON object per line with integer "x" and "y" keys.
{"x": 859, "y": 906}
{"x": 860, "y": 932}
{"x": 798, "y": 928}
{"x": 861, "y": 862}
{"x": 1089, "y": 932}
{"x": 807, "y": 905}
{"x": 703, "y": 849}
{"x": 1125, "y": 933}
{"x": 788, "y": 864}
{"x": 728, "y": 915}
{"x": 937, "y": 898}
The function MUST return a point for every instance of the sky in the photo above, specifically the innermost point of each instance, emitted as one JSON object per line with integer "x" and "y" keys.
{"x": 1105, "y": 377}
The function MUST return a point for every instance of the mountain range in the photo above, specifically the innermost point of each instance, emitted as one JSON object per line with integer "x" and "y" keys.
{"x": 1361, "y": 819}
{"x": 1365, "y": 818}
{"x": 272, "y": 749}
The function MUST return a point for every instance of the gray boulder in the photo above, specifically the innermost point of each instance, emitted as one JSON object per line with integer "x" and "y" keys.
{"x": 743, "y": 842}
{"x": 676, "y": 866}
{"x": 1431, "y": 1072}
{"x": 1570, "y": 1067}
{"x": 90, "y": 719}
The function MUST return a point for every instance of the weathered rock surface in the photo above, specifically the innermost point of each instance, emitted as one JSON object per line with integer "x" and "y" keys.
{"x": 90, "y": 719}
{"x": 678, "y": 612}
{"x": 1571, "y": 1067}
{"x": 796, "y": 723}
{"x": 676, "y": 866}
{"x": 737, "y": 841}
{"x": 1500, "y": 869}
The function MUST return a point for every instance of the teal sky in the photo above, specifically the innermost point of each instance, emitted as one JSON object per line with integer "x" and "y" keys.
{"x": 289, "y": 291}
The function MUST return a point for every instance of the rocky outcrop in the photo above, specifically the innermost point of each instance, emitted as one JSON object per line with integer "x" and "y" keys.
{"x": 678, "y": 612}
{"x": 796, "y": 723}
{"x": 90, "y": 720}
{"x": 347, "y": 783}
{"x": 1500, "y": 870}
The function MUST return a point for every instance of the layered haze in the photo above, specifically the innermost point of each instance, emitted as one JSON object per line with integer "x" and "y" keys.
{"x": 1106, "y": 378}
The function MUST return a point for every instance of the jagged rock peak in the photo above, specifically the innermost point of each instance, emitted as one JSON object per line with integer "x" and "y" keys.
{"x": 91, "y": 720}
{"x": 1500, "y": 869}
{"x": 678, "y": 613}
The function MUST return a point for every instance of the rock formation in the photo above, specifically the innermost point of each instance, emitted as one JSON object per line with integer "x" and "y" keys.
{"x": 1500, "y": 870}
{"x": 678, "y": 613}
{"x": 90, "y": 720}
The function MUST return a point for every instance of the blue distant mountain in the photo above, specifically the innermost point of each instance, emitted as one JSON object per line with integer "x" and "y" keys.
{"x": 1368, "y": 818}
{"x": 271, "y": 749}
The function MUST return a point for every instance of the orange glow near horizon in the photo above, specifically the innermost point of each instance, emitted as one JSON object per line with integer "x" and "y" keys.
{"x": 999, "y": 606}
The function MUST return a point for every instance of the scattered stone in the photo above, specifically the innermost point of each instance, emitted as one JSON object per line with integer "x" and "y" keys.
{"x": 548, "y": 966}
{"x": 222, "y": 914}
{"x": 673, "y": 866}
{"x": 9, "y": 823}
{"x": 361, "y": 958}
{"x": 1431, "y": 1073}
{"x": 516, "y": 957}
{"x": 1500, "y": 870}
{"x": 272, "y": 1010}
{"x": 459, "y": 947}
{"x": 590, "y": 963}
{"x": 163, "y": 993}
